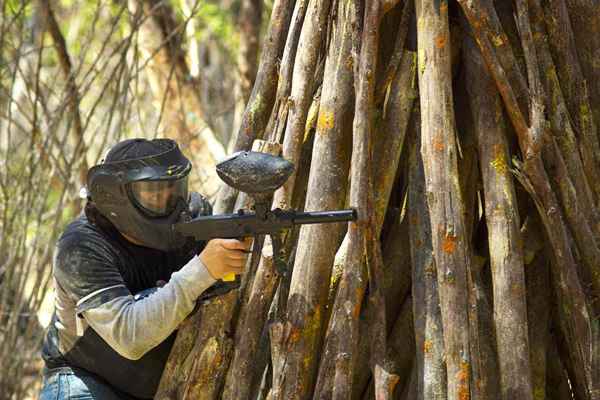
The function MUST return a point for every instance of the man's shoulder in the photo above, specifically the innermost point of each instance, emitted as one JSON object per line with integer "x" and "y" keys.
{"x": 80, "y": 225}
{"x": 81, "y": 232}
{"x": 86, "y": 259}
{"x": 84, "y": 241}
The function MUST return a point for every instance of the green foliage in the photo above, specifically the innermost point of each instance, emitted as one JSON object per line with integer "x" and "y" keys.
{"x": 213, "y": 21}
{"x": 220, "y": 23}
{"x": 17, "y": 8}
{"x": 82, "y": 15}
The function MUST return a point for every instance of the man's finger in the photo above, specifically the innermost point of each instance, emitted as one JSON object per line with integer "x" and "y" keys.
{"x": 236, "y": 263}
{"x": 237, "y": 255}
{"x": 235, "y": 268}
{"x": 233, "y": 244}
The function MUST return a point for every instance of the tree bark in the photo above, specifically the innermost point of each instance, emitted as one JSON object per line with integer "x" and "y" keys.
{"x": 446, "y": 208}
{"x": 388, "y": 148}
{"x": 575, "y": 318}
{"x": 503, "y": 222}
{"x": 557, "y": 386}
{"x": 574, "y": 87}
{"x": 585, "y": 21}
{"x": 430, "y": 364}
{"x": 332, "y": 152}
{"x": 196, "y": 350}
{"x": 339, "y": 63}
{"x": 396, "y": 256}
{"x": 538, "y": 303}
{"x": 317, "y": 243}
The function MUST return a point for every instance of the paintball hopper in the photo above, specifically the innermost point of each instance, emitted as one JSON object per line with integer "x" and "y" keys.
{"x": 258, "y": 175}
{"x": 253, "y": 172}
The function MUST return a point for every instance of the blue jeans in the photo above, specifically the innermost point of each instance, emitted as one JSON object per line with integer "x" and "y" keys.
{"x": 68, "y": 384}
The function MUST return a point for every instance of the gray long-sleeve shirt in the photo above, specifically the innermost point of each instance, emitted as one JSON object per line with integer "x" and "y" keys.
{"x": 133, "y": 327}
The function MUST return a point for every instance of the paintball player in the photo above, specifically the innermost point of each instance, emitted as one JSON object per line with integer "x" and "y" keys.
{"x": 123, "y": 284}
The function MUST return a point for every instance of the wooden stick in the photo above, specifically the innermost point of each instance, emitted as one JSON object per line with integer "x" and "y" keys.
{"x": 388, "y": 147}
{"x": 302, "y": 89}
{"x": 573, "y": 85}
{"x": 450, "y": 245}
{"x": 537, "y": 273}
{"x": 431, "y": 381}
{"x": 277, "y": 120}
{"x": 503, "y": 223}
{"x": 330, "y": 141}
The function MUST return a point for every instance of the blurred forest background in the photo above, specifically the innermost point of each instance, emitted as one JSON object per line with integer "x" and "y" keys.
{"x": 78, "y": 76}
{"x": 464, "y": 133}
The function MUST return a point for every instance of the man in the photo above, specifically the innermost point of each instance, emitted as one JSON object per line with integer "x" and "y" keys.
{"x": 123, "y": 281}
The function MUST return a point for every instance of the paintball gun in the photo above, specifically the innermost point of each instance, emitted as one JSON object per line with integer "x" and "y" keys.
{"x": 258, "y": 175}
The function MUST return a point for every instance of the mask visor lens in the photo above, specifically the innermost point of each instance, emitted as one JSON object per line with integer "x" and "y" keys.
{"x": 159, "y": 198}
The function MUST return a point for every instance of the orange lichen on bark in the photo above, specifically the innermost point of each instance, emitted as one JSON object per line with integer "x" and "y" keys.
{"x": 449, "y": 244}
{"x": 294, "y": 335}
{"x": 440, "y": 41}
{"x": 463, "y": 380}
{"x": 392, "y": 383}
{"x": 414, "y": 219}
{"x": 438, "y": 144}
{"x": 349, "y": 63}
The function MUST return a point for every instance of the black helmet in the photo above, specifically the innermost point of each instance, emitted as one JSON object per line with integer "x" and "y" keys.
{"x": 141, "y": 188}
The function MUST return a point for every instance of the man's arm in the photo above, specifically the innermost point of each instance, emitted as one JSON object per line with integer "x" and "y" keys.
{"x": 132, "y": 328}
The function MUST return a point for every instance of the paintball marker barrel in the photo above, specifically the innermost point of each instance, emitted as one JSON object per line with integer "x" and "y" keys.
{"x": 243, "y": 223}
{"x": 319, "y": 217}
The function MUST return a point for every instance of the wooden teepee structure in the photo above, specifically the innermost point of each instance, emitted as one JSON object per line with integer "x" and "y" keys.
{"x": 466, "y": 135}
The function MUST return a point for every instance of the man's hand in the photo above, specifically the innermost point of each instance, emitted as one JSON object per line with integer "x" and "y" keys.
{"x": 223, "y": 257}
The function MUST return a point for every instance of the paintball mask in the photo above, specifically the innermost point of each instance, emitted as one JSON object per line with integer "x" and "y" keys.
{"x": 142, "y": 189}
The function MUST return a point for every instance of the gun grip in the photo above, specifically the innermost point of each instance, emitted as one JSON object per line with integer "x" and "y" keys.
{"x": 229, "y": 278}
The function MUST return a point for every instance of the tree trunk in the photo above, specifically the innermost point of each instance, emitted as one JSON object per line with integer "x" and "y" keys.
{"x": 430, "y": 366}
{"x": 449, "y": 243}
{"x": 503, "y": 222}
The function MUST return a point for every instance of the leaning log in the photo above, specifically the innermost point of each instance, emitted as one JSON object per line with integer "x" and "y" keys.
{"x": 430, "y": 366}
{"x": 438, "y": 146}
{"x": 503, "y": 223}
